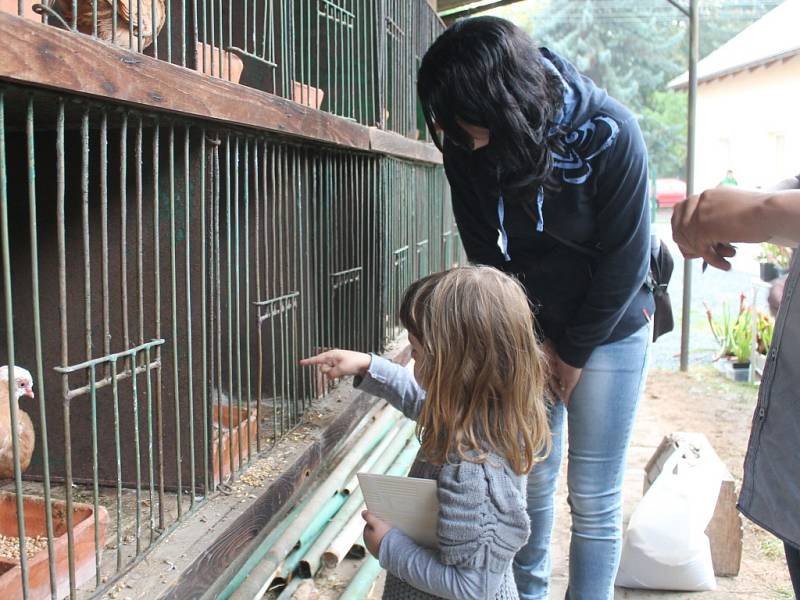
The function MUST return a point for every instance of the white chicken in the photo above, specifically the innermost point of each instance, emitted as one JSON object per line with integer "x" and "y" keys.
{"x": 22, "y": 386}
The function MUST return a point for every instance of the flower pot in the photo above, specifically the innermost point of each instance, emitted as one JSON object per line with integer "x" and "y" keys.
{"x": 768, "y": 271}
{"x": 83, "y": 523}
{"x": 230, "y": 438}
{"x": 208, "y": 62}
{"x": 12, "y": 6}
{"x": 307, "y": 95}
{"x": 735, "y": 371}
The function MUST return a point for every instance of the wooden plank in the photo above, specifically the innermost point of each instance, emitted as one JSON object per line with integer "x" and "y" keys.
{"x": 394, "y": 144}
{"x": 40, "y": 55}
{"x": 32, "y": 53}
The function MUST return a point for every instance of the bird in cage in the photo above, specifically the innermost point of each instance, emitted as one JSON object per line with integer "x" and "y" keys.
{"x": 128, "y": 19}
{"x": 21, "y": 385}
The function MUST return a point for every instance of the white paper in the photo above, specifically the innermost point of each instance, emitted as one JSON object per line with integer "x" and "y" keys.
{"x": 408, "y": 503}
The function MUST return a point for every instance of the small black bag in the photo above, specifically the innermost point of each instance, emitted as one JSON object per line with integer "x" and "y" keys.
{"x": 661, "y": 266}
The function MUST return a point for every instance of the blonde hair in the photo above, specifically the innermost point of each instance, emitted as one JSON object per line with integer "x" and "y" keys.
{"x": 482, "y": 368}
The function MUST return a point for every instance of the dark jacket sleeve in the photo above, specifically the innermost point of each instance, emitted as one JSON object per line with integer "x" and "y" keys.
{"x": 477, "y": 233}
{"x": 623, "y": 232}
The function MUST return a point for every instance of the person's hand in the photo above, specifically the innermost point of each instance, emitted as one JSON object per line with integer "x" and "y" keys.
{"x": 374, "y": 531}
{"x": 338, "y": 363}
{"x": 705, "y": 225}
{"x": 562, "y": 377}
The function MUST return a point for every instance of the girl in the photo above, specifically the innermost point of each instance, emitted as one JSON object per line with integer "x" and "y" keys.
{"x": 549, "y": 182}
{"x": 481, "y": 420}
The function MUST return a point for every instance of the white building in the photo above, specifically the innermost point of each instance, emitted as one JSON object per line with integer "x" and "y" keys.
{"x": 748, "y": 103}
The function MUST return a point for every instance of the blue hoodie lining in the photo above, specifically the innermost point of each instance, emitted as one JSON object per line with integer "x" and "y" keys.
{"x": 564, "y": 115}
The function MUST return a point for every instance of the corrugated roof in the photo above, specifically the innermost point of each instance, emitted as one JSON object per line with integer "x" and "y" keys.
{"x": 773, "y": 37}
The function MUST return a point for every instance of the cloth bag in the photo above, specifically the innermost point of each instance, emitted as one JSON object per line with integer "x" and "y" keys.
{"x": 665, "y": 547}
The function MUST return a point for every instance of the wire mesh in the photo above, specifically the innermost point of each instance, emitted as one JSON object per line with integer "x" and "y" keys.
{"x": 162, "y": 277}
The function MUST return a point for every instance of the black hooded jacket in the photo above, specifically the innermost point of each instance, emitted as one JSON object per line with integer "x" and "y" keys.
{"x": 583, "y": 297}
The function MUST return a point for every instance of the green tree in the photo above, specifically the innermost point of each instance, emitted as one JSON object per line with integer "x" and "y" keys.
{"x": 633, "y": 48}
{"x": 664, "y": 127}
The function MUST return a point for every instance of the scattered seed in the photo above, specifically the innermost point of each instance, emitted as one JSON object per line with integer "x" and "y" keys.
{"x": 9, "y": 546}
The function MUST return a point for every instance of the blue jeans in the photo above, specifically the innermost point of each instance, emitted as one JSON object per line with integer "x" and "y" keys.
{"x": 600, "y": 419}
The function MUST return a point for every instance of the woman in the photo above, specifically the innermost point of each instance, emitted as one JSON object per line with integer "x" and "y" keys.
{"x": 549, "y": 183}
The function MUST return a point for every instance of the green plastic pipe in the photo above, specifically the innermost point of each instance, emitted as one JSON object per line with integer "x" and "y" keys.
{"x": 258, "y": 577}
{"x": 377, "y": 463}
{"x": 264, "y": 547}
{"x": 313, "y": 531}
{"x": 261, "y": 551}
{"x": 361, "y": 584}
{"x": 401, "y": 466}
{"x": 351, "y": 531}
{"x": 290, "y": 589}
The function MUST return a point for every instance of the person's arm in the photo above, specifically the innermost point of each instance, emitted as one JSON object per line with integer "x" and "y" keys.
{"x": 393, "y": 383}
{"x": 623, "y": 232}
{"x": 421, "y": 568}
{"x": 705, "y": 225}
{"x": 482, "y": 524}
{"x": 374, "y": 375}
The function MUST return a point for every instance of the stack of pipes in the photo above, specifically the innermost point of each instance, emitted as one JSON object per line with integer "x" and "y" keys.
{"x": 326, "y": 524}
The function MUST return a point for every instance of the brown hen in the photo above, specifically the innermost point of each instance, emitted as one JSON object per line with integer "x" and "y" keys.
{"x": 128, "y": 22}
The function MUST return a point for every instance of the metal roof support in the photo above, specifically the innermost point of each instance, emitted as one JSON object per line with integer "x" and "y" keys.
{"x": 694, "y": 51}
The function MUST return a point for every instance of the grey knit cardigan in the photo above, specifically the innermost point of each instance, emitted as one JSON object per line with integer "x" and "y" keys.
{"x": 482, "y": 524}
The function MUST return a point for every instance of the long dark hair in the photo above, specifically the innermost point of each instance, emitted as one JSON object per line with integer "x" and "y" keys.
{"x": 488, "y": 72}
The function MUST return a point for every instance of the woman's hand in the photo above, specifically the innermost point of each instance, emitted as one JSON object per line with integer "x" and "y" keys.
{"x": 562, "y": 377}
{"x": 374, "y": 531}
{"x": 338, "y": 363}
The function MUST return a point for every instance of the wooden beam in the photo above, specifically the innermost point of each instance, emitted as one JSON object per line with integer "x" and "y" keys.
{"x": 32, "y": 53}
{"x": 48, "y": 57}
{"x": 393, "y": 144}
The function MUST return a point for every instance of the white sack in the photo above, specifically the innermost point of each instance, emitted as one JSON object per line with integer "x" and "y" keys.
{"x": 666, "y": 547}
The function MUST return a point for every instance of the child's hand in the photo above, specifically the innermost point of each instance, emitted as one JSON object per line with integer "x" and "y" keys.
{"x": 374, "y": 531}
{"x": 340, "y": 363}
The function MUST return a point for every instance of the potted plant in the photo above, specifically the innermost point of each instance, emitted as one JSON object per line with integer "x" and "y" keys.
{"x": 773, "y": 260}
{"x": 765, "y": 326}
{"x": 734, "y": 334}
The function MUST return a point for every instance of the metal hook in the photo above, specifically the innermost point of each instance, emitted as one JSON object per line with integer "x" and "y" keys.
{"x": 44, "y": 9}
